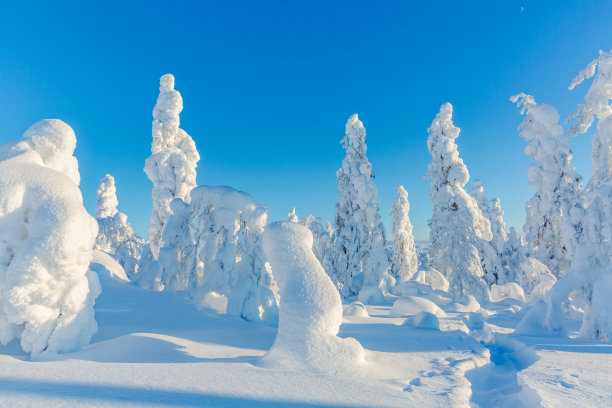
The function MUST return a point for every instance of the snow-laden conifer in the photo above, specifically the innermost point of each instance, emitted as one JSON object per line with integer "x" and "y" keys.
{"x": 590, "y": 277}
{"x": 555, "y": 212}
{"x": 173, "y": 161}
{"x": 404, "y": 262}
{"x": 360, "y": 262}
{"x": 490, "y": 251}
{"x": 457, "y": 224}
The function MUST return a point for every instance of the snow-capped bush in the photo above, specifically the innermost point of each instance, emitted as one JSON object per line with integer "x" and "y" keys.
{"x": 458, "y": 228}
{"x": 213, "y": 246}
{"x": 590, "y": 275}
{"x": 507, "y": 291}
{"x": 423, "y": 320}
{"x": 432, "y": 278}
{"x": 360, "y": 262}
{"x": 554, "y": 214}
{"x": 310, "y": 312}
{"x": 356, "y": 309}
{"x": 173, "y": 161}
{"x": 404, "y": 262}
{"x": 534, "y": 277}
{"x": 411, "y": 305}
{"x": 47, "y": 291}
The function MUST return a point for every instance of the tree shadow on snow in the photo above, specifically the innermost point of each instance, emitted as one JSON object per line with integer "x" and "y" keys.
{"x": 86, "y": 393}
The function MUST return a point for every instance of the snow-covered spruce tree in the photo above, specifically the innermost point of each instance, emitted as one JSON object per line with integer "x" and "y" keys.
{"x": 173, "y": 161}
{"x": 591, "y": 274}
{"x": 555, "y": 212}
{"x": 458, "y": 227}
{"x": 490, "y": 251}
{"x": 513, "y": 254}
{"x": 404, "y": 262}
{"x": 47, "y": 291}
{"x": 115, "y": 234}
{"x": 292, "y": 217}
{"x": 212, "y": 248}
{"x": 360, "y": 262}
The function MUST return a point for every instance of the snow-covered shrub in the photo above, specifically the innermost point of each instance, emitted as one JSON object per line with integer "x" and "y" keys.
{"x": 467, "y": 304}
{"x": 432, "y": 278}
{"x": 404, "y": 262}
{"x": 411, "y": 305}
{"x": 423, "y": 320}
{"x": 554, "y": 213}
{"x": 458, "y": 228}
{"x": 507, "y": 291}
{"x": 590, "y": 275}
{"x": 356, "y": 309}
{"x": 173, "y": 161}
{"x": 47, "y": 291}
{"x": 213, "y": 246}
{"x": 115, "y": 234}
{"x": 310, "y": 312}
{"x": 360, "y": 262}
{"x": 534, "y": 277}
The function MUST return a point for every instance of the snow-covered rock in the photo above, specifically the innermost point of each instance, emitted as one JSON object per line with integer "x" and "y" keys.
{"x": 47, "y": 291}
{"x": 423, "y": 320}
{"x": 310, "y": 310}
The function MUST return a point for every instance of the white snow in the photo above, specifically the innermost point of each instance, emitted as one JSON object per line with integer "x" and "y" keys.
{"x": 412, "y": 305}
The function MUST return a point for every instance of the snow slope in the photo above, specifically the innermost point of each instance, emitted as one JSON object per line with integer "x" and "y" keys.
{"x": 154, "y": 349}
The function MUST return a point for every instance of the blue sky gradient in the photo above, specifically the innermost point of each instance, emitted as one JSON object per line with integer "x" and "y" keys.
{"x": 268, "y": 86}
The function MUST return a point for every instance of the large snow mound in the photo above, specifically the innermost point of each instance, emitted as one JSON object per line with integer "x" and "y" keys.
{"x": 46, "y": 239}
{"x": 432, "y": 278}
{"x": 412, "y": 305}
{"x": 310, "y": 309}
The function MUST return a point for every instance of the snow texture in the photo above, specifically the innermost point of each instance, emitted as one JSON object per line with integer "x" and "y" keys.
{"x": 360, "y": 263}
{"x": 458, "y": 228}
{"x": 555, "y": 213}
{"x": 47, "y": 292}
{"x": 412, "y": 305}
{"x": 310, "y": 312}
{"x": 404, "y": 262}
{"x": 173, "y": 161}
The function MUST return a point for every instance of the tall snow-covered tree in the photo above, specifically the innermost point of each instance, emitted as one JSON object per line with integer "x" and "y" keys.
{"x": 490, "y": 251}
{"x": 555, "y": 212}
{"x": 173, "y": 161}
{"x": 591, "y": 273}
{"x": 115, "y": 234}
{"x": 404, "y": 262}
{"x": 458, "y": 227}
{"x": 360, "y": 262}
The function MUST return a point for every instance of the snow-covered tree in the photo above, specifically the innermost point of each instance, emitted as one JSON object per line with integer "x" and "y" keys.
{"x": 590, "y": 277}
{"x": 490, "y": 251}
{"x": 458, "y": 227}
{"x": 173, "y": 161}
{"x": 212, "y": 247}
{"x": 292, "y": 217}
{"x": 555, "y": 212}
{"x": 360, "y": 262}
{"x": 404, "y": 262}
{"x": 115, "y": 234}
{"x": 513, "y": 254}
{"x": 47, "y": 291}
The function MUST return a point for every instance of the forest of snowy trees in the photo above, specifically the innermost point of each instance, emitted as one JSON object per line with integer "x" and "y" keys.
{"x": 216, "y": 246}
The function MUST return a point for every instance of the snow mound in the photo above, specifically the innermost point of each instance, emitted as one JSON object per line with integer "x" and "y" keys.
{"x": 432, "y": 278}
{"x": 508, "y": 291}
{"x": 532, "y": 323}
{"x": 356, "y": 309}
{"x": 46, "y": 238}
{"x": 467, "y": 304}
{"x": 412, "y": 305}
{"x": 423, "y": 320}
{"x": 310, "y": 311}
{"x": 107, "y": 267}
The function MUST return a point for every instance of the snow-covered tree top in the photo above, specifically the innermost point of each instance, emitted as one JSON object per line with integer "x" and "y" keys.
{"x": 106, "y": 197}
{"x": 292, "y": 217}
{"x": 479, "y": 194}
{"x": 446, "y": 166}
{"x": 49, "y": 143}
{"x": 166, "y": 119}
{"x": 597, "y": 100}
{"x": 228, "y": 202}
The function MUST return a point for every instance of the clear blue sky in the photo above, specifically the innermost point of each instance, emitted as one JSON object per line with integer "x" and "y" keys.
{"x": 268, "y": 86}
